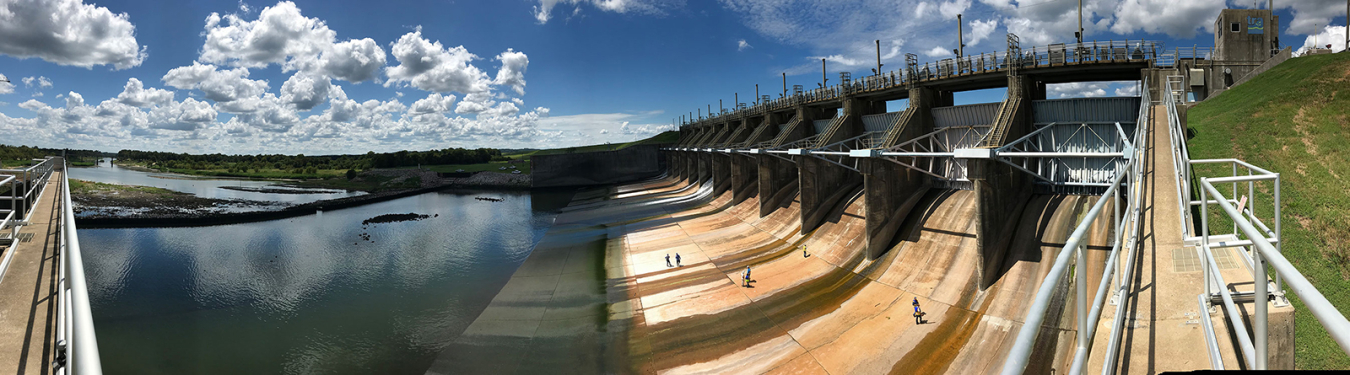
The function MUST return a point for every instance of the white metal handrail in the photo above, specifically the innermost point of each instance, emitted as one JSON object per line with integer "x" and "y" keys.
{"x": 75, "y": 325}
{"x": 1264, "y": 252}
{"x": 1124, "y": 243}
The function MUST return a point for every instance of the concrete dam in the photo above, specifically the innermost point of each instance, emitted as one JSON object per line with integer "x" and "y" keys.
{"x": 802, "y": 234}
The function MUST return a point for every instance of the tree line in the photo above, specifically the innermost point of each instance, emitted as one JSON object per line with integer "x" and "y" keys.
{"x": 309, "y": 164}
{"x": 26, "y": 153}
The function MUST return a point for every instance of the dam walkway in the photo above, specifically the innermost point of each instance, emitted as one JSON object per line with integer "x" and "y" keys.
{"x": 44, "y": 306}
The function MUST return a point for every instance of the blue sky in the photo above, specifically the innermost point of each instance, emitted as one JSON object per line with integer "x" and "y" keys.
{"x": 325, "y": 77}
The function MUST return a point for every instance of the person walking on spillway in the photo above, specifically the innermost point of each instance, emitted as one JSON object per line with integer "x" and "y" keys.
{"x": 918, "y": 314}
{"x": 677, "y": 260}
{"x": 668, "y": 261}
{"x": 747, "y": 276}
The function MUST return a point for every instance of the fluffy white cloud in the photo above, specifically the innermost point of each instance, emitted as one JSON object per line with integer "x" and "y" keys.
{"x": 353, "y": 60}
{"x": 305, "y": 91}
{"x": 1333, "y": 35}
{"x": 221, "y": 86}
{"x": 1091, "y": 89}
{"x": 1310, "y": 15}
{"x": 938, "y": 52}
{"x": 69, "y": 32}
{"x": 434, "y": 103}
{"x": 543, "y": 11}
{"x": 1176, "y": 18}
{"x": 979, "y": 30}
{"x": 5, "y": 86}
{"x": 282, "y": 35}
{"x": 190, "y": 114}
{"x": 41, "y": 82}
{"x": 512, "y": 72}
{"x": 430, "y": 66}
{"x": 742, "y": 45}
{"x": 136, "y": 95}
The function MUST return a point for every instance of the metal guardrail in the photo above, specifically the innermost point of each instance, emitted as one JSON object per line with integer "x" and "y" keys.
{"x": 1262, "y": 254}
{"x": 1181, "y": 157}
{"x": 1125, "y": 240}
{"x": 77, "y": 348}
{"x": 25, "y": 186}
{"x": 1061, "y": 54}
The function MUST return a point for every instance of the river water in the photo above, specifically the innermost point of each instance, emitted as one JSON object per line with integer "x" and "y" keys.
{"x": 308, "y": 294}
{"x": 201, "y": 186}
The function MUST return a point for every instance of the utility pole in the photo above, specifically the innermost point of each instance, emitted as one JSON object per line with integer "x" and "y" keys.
{"x": 709, "y": 110}
{"x": 785, "y": 81}
{"x": 878, "y": 72}
{"x": 960, "y": 38}
{"x": 1079, "y": 34}
{"x": 719, "y": 106}
{"x": 823, "y": 79}
{"x": 736, "y": 105}
{"x": 756, "y": 93}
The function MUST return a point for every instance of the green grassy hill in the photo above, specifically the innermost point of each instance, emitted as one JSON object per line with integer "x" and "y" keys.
{"x": 665, "y": 137}
{"x": 1294, "y": 120}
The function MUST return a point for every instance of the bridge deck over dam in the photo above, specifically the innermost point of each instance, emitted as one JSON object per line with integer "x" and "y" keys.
{"x": 28, "y": 289}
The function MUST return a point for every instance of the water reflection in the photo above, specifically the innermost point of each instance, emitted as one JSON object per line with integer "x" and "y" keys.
{"x": 200, "y": 186}
{"x": 306, "y": 294}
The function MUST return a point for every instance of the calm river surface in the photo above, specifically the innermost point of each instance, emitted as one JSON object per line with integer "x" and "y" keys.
{"x": 200, "y": 186}
{"x": 308, "y": 294}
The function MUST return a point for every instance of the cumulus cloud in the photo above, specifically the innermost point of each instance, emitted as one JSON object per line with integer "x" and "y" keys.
{"x": 430, "y": 66}
{"x": 135, "y": 94}
{"x": 434, "y": 103}
{"x": 1333, "y": 35}
{"x": 742, "y": 45}
{"x": 221, "y": 86}
{"x": 979, "y": 30}
{"x": 1179, "y": 19}
{"x": 544, "y": 11}
{"x": 938, "y": 52}
{"x": 512, "y": 72}
{"x": 282, "y": 35}
{"x": 69, "y": 32}
{"x": 5, "y": 86}
{"x": 41, "y": 82}
{"x": 1310, "y": 15}
{"x": 305, "y": 91}
{"x": 1092, "y": 89}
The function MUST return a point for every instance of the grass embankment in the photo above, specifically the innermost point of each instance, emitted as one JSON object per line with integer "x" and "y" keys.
{"x": 665, "y": 137}
{"x": 370, "y": 183}
{"x": 269, "y": 174}
{"x": 1293, "y": 120}
{"x": 87, "y": 188}
{"x": 495, "y": 166}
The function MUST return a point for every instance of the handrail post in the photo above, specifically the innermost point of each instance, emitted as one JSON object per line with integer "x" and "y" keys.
{"x": 1204, "y": 233}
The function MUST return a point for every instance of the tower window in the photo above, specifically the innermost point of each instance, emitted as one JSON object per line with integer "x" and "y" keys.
{"x": 1235, "y": 27}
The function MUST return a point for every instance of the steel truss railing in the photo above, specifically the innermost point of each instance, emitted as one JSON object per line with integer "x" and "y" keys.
{"x": 1125, "y": 243}
{"x": 838, "y": 153}
{"x": 1096, "y": 52}
{"x": 934, "y": 153}
{"x": 1049, "y": 156}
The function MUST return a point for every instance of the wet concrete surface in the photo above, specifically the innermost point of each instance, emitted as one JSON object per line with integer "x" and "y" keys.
{"x": 597, "y": 295}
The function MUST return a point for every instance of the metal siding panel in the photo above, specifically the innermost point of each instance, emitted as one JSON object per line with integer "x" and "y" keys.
{"x": 965, "y": 115}
{"x": 1079, "y": 110}
{"x": 880, "y": 122}
{"x": 821, "y": 125}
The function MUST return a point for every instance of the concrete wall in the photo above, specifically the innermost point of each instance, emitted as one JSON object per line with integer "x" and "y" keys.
{"x": 595, "y": 168}
{"x": 892, "y": 190}
{"x": 1001, "y": 191}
